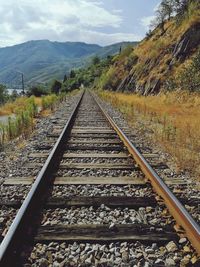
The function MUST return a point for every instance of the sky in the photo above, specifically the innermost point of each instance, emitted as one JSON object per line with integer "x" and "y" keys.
{"x": 101, "y": 22}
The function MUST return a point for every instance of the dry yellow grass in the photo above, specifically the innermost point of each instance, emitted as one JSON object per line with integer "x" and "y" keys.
{"x": 175, "y": 121}
{"x": 19, "y": 104}
{"x": 38, "y": 101}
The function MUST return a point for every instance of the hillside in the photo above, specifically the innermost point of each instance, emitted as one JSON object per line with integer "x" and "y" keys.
{"x": 168, "y": 58}
{"x": 43, "y": 60}
{"x": 113, "y": 49}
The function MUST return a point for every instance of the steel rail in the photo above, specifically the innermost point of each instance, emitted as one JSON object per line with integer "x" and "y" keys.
{"x": 177, "y": 210}
{"x": 14, "y": 238}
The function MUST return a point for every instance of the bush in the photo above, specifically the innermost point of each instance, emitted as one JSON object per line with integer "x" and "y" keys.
{"x": 56, "y": 87}
{"x": 3, "y": 94}
{"x": 14, "y": 95}
{"x": 49, "y": 101}
{"x": 85, "y": 76}
{"x": 37, "y": 91}
{"x": 131, "y": 61}
{"x": 108, "y": 79}
{"x": 96, "y": 60}
{"x": 126, "y": 52}
{"x": 188, "y": 78}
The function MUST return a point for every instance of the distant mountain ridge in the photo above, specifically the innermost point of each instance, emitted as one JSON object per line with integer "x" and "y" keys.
{"x": 43, "y": 60}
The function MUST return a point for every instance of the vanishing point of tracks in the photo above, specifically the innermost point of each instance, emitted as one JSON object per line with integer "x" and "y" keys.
{"x": 84, "y": 206}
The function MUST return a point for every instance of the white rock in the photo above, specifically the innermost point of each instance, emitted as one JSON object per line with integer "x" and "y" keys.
{"x": 171, "y": 246}
{"x": 169, "y": 262}
{"x": 182, "y": 240}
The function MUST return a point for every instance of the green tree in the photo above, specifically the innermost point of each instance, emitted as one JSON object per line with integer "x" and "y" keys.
{"x": 3, "y": 94}
{"x": 189, "y": 77}
{"x": 96, "y": 60}
{"x": 56, "y": 86}
{"x": 14, "y": 95}
{"x": 160, "y": 18}
{"x": 72, "y": 74}
{"x": 167, "y": 7}
{"x": 182, "y": 8}
{"x": 37, "y": 90}
{"x": 65, "y": 78}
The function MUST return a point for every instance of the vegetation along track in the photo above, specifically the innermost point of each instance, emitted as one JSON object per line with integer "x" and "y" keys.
{"x": 91, "y": 204}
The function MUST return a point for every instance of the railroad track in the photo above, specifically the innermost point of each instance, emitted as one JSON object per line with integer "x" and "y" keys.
{"x": 95, "y": 202}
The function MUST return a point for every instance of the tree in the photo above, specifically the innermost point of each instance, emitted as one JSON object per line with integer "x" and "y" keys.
{"x": 96, "y": 60}
{"x": 167, "y": 7}
{"x": 56, "y": 86}
{"x": 3, "y": 94}
{"x": 181, "y": 8}
{"x": 160, "y": 18}
{"x": 37, "y": 91}
{"x": 163, "y": 13}
{"x": 14, "y": 95}
{"x": 189, "y": 76}
{"x": 72, "y": 74}
{"x": 65, "y": 78}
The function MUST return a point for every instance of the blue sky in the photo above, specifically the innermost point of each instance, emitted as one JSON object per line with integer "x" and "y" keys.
{"x": 135, "y": 14}
{"x": 92, "y": 21}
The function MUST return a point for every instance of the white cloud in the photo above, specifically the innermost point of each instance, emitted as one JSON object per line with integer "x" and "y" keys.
{"x": 103, "y": 38}
{"x": 146, "y": 22}
{"x": 59, "y": 20}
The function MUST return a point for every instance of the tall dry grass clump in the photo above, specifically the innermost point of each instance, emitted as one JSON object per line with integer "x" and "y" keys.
{"x": 174, "y": 118}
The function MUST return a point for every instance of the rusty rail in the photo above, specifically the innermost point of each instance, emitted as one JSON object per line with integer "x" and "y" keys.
{"x": 177, "y": 210}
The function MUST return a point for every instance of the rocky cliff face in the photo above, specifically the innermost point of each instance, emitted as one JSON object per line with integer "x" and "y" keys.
{"x": 166, "y": 53}
{"x": 187, "y": 43}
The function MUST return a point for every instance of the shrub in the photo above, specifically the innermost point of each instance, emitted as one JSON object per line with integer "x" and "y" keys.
{"x": 37, "y": 90}
{"x": 49, "y": 101}
{"x": 3, "y": 94}
{"x": 107, "y": 80}
{"x": 125, "y": 52}
{"x": 188, "y": 76}
{"x": 131, "y": 61}
{"x": 96, "y": 60}
{"x": 56, "y": 87}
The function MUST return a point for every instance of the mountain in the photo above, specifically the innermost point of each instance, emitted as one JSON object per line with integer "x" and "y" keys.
{"x": 168, "y": 58}
{"x": 43, "y": 60}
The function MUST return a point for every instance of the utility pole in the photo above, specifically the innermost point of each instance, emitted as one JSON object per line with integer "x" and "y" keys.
{"x": 23, "y": 91}
{"x": 23, "y": 87}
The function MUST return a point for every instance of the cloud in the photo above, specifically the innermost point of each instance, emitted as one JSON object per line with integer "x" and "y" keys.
{"x": 59, "y": 20}
{"x": 101, "y": 38}
{"x": 146, "y": 21}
